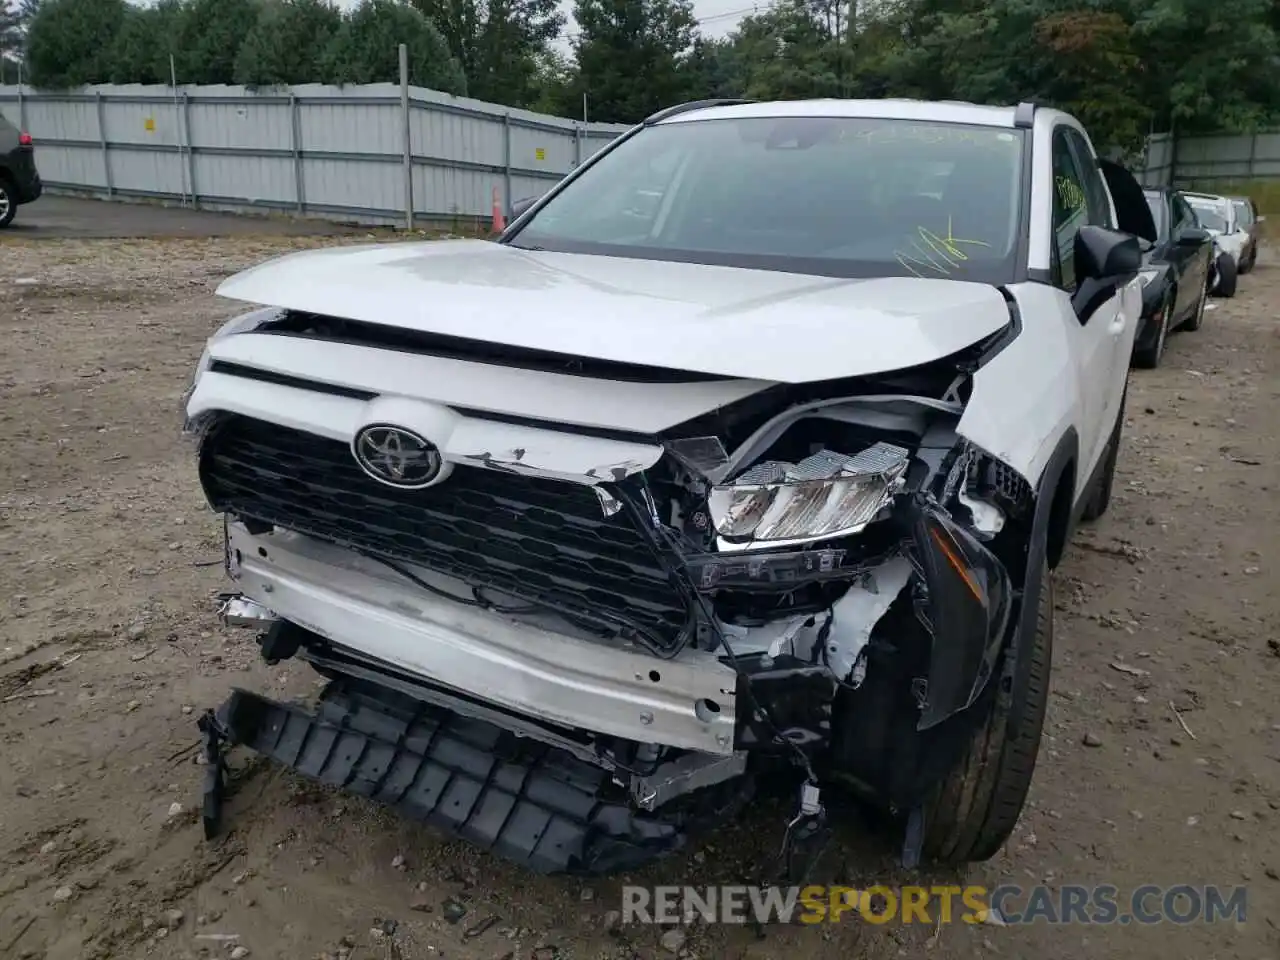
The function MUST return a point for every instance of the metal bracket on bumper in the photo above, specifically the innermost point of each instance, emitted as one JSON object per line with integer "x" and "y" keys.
{"x": 534, "y": 804}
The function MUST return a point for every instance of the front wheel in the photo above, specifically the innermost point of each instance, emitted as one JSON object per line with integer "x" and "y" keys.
{"x": 1226, "y": 276}
{"x": 971, "y": 813}
{"x": 1149, "y": 357}
{"x": 1196, "y": 320}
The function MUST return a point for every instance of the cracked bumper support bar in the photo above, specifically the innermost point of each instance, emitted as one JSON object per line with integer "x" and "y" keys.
{"x": 530, "y": 803}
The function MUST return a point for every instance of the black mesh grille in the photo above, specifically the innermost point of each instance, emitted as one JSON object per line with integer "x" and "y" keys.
{"x": 544, "y": 540}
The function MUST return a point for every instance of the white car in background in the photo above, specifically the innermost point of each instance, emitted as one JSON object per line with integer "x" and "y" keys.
{"x": 1218, "y": 215}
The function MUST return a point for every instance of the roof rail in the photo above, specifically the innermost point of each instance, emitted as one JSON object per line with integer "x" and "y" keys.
{"x": 1024, "y": 114}
{"x": 680, "y": 108}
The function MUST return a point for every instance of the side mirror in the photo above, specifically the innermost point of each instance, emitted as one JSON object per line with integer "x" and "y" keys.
{"x": 520, "y": 206}
{"x": 1104, "y": 260}
{"x": 1106, "y": 255}
{"x": 1192, "y": 237}
{"x": 1261, "y": 220}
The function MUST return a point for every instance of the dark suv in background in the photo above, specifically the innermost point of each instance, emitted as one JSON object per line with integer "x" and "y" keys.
{"x": 19, "y": 181}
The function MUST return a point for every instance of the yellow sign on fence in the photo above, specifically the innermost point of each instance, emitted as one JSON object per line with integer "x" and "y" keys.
{"x": 540, "y": 153}
{"x": 149, "y": 124}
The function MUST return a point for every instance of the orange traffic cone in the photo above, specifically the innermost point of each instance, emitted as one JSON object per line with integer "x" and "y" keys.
{"x": 499, "y": 221}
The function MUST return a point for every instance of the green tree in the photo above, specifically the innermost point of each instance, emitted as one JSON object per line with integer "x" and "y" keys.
{"x": 498, "y": 43}
{"x": 366, "y": 49}
{"x": 629, "y": 55}
{"x": 140, "y": 53}
{"x": 1209, "y": 66}
{"x": 553, "y": 79}
{"x": 208, "y": 38}
{"x": 1090, "y": 68}
{"x": 712, "y": 70}
{"x": 287, "y": 43}
{"x": 69, "y": 42}
{"x": 11, "y": 41}
{"x": 795, "y": 50}
{"x": 1122, "y": 65}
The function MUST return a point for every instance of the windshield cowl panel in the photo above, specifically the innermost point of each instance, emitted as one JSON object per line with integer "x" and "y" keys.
{"x": 838, "y": 196}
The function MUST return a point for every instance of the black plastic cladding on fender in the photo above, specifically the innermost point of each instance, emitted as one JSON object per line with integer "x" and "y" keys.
{"x": 968, "y": 630}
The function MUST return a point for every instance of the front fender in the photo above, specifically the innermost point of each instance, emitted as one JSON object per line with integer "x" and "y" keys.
{"x": 1027, "y": 395}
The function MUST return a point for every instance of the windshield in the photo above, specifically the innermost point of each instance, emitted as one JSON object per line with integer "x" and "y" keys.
{"x": 1156, "y": 202}
{"x": 839, "y": 197}
{"x": 1211, "y": 216}
{"x": 1244, "y": 213}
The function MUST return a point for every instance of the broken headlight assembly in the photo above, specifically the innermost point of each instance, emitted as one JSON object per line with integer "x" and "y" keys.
{"x": 823, "y": 496}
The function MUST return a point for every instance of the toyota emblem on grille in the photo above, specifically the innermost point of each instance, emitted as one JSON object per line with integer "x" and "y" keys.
{"x": 396, "y": 456}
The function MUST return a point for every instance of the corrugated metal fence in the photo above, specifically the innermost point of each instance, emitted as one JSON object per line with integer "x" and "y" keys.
{"x": 1204, "y": 159}
{"x": 1158, "y": 169}
{"x": 339, "y": 152}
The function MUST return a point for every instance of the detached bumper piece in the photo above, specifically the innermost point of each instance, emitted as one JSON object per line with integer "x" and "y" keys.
{"x": 525, "y": 801}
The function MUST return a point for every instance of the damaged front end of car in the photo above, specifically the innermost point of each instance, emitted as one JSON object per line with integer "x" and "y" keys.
{"x": 580, "y": 670}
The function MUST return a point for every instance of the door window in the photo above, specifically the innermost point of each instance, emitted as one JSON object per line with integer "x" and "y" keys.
{"x": 1244, "y": 213}
{"x": 1097, "y": 197}
{"x": 1070, "y": 209}
{"x": 1183, "y": 216}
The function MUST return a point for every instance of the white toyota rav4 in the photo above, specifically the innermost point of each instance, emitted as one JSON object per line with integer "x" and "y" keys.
{"x": 742, "y": 458}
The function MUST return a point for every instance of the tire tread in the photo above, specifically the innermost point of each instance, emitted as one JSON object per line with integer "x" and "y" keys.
{"x": 978, "y": 805}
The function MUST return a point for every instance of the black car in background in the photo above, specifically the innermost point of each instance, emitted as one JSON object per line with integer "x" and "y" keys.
{"x": 1175, "y": 275}
{"x": 19, "y": 181}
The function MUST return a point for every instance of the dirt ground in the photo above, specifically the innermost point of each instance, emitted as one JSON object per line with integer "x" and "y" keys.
{"x": 66, "y": 217}
{"x": 109, "y": 648}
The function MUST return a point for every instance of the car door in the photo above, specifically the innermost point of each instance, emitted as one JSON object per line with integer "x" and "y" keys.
{"x": 1106, "y": 336}
{"x": 1192, "y": 262}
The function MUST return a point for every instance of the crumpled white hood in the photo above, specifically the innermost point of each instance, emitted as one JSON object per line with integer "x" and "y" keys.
{"x": 732, "y": 322}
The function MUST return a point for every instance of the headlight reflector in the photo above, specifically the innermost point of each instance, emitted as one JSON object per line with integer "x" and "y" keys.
{"x": 827, "y": 494}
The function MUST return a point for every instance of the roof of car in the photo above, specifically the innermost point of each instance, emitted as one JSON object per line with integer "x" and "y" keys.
{"x": 937, "y": 111}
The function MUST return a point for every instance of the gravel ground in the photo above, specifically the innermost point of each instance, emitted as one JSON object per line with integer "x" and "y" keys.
{"x": 109, "y": 648}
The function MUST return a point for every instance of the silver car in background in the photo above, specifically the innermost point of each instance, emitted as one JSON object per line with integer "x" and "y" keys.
{"x": 1218, "y": 215}
{"x": 1250, "y": 221}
